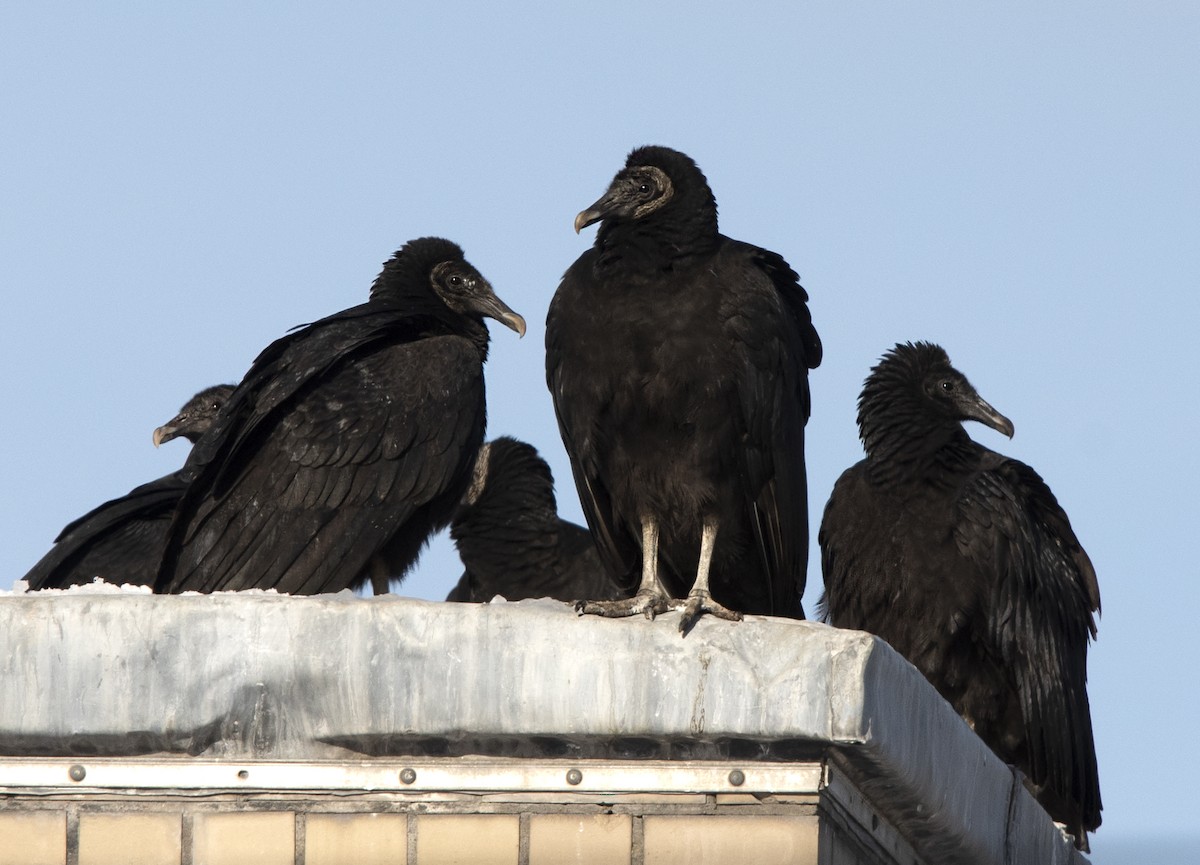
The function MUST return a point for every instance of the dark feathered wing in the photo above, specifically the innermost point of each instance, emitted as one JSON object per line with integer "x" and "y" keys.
{"x": 121, "y": 540}
{"x": 1041, "y": 620}
{"x": 577, "y": 293}
{"x": 845, "y": 517}
{"x": 583, "y": 574}
{"x": 511, "y": 540}
{"x": 795, "y": 299}
{"x": 339, "y": 435}
{"x": 615, "y": 548}
{"x": 567, "y": 571}
{"x": 770, "y": 326}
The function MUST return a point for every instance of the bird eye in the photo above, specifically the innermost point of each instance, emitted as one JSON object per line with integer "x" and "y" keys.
{"x": 215, "y": 406}
{"x": 947, "y": 386}
{"x": 456, "y": 281}
{"x": 644, "y": 188}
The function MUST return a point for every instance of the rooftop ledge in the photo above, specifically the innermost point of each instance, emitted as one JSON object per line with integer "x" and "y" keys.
{"x": 260, "y": 678}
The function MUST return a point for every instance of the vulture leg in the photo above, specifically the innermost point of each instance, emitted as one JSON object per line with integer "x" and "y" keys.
{"x": 699, "y": 599}
{"x": 651, "y": 598}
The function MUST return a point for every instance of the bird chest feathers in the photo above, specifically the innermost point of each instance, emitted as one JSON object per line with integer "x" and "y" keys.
{"x": 640, "y": 360}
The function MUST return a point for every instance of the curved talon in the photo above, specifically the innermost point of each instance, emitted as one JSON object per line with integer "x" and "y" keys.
{"x": 656, "y": 604}
{"x": 699, "y": 603}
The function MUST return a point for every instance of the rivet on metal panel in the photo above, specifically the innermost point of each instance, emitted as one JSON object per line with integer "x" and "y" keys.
{"x": 408, "y": 776}
{"x": 77, "y": 772}
{"x": 737, "y": 777}
{"x": 243, "y": 774}
{"x": 574, "y": 776}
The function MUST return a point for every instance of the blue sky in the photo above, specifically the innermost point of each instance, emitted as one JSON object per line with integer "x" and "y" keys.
{"x": 1019, "y": 182}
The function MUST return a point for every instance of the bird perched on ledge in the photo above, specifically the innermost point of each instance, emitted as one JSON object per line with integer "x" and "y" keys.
{"x": 122, "y": 539}
{"x": 963, "y": 561}
{"x": 678, "y": 359}
{"x": 511, "y": 539}
{"x": 348, "y": 442}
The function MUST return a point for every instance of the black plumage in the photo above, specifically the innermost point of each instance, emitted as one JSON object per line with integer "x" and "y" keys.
{"x": 963, "y": 560}
{"x": 348, "y": 442}
{"x": 122, "y": 539}
{"x": 678, "y": 363}
{"x": 511, "y": 539}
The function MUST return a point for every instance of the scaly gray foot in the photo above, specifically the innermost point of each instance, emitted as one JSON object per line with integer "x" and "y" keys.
{"x": 648, "y": 603}
{"x": 698, "y": 603}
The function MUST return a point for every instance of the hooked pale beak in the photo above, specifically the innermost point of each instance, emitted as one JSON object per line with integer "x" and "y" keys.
{"x": 981, "y": 410}
{"x": 587, "y": 217}
{"x": 493, "y": 307}
{"x": 165, "y": 433}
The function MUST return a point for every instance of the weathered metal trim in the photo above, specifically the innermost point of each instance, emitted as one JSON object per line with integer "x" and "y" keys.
{"x": 861, "y": 820}
{"x": 17, "y": 775}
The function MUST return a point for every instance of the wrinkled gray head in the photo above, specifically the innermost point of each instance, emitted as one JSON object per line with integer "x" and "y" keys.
{"x": 196, "y": 416}
{"x": 437, "y": 263}
{"x": 915, "y": 387}
{"x": 655, "y": 180}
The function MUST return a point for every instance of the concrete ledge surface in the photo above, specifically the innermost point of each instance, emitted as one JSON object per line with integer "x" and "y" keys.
{"x": 94, "y": 672}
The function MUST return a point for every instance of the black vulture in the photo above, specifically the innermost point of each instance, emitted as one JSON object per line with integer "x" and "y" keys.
{"x": 122, "y": 540}
{"x": 511, "y": 539}
{"x": 963, "y": 561}
{"x": 348, "y": 442}
{"x": 678, "y": 363}
{"x": 196, "y": 416}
